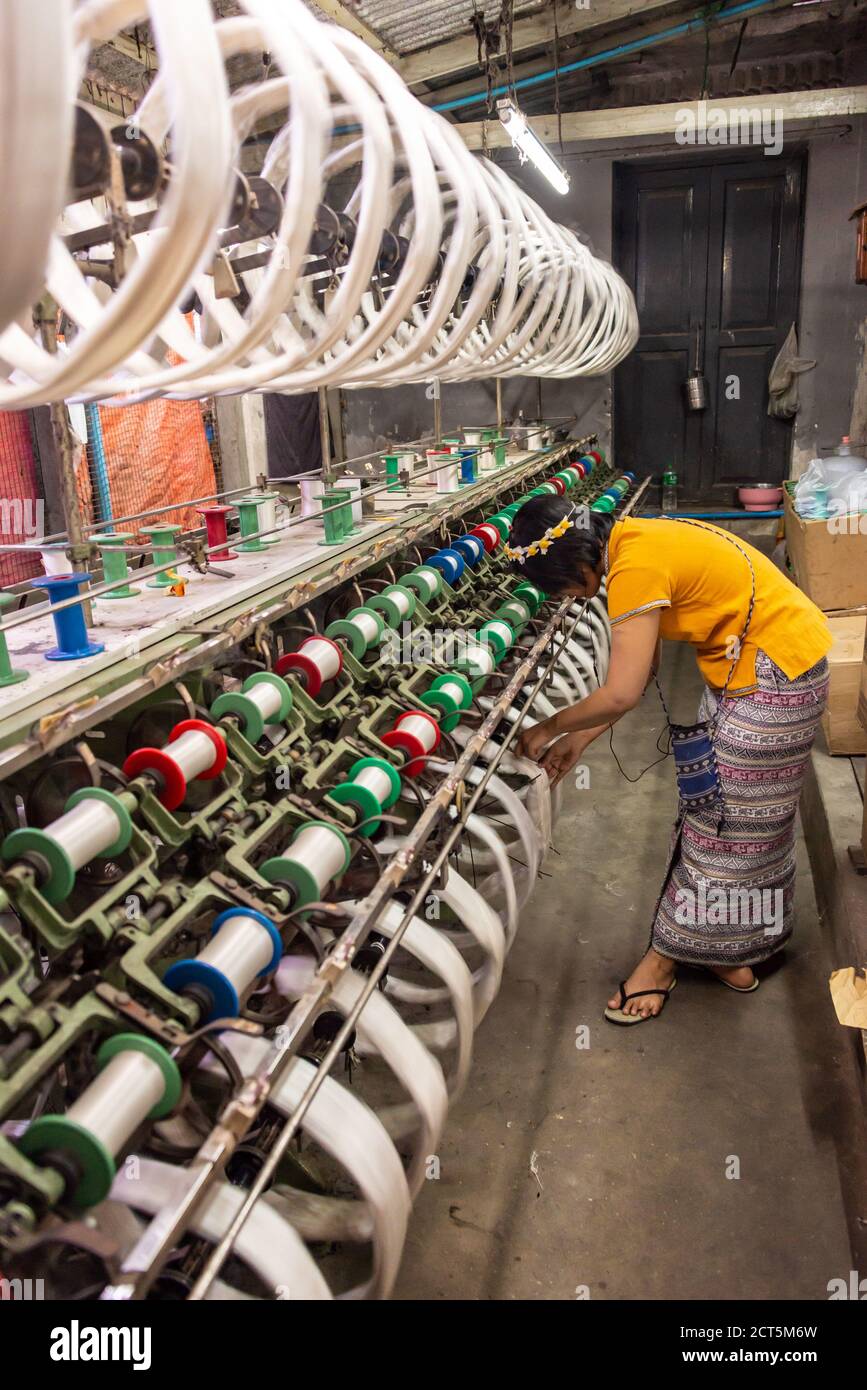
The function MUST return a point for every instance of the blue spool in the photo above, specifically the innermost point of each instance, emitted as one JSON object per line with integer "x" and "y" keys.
{"x": 69, "y": 625}
{"x": 224, "y": 995}
{"x": 588, "y": 462}
{"x": 629, "y": 475}
{"x": 470, "y": 547}
{"x": 468, "y": 466}
{"x": 450, "y": 563}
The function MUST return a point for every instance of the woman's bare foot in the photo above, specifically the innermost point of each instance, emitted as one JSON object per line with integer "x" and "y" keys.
{"x": 653, "y": 971}
{"x": 739, "y": 976}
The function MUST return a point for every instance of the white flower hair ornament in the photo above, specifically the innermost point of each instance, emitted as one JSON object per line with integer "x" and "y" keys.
{"x": 519, "y": 554}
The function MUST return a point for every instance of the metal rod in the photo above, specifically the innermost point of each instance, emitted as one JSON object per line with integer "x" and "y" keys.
{"x": 499, "y": 384}
{"x": 325, "y": 437}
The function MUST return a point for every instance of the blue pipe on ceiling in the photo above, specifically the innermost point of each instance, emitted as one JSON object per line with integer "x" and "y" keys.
{"x": 689, "y": 26}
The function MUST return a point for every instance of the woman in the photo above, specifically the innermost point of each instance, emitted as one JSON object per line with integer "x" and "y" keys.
{"x": 727, "y": 897}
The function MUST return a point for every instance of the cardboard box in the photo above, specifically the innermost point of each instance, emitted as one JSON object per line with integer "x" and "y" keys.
{"x": 830, "y": 566}
{"x": 844, "y": 732}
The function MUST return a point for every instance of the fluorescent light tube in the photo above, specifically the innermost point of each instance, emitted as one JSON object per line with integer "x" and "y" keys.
{"x": 529, "y": 146}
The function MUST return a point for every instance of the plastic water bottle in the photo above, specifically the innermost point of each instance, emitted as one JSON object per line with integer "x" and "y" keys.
{"x": 669, "y": 491}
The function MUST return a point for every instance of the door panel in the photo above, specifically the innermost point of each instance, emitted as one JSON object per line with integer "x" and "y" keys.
{"x": 662, "y": 239}
{"x": 714, "y": 247}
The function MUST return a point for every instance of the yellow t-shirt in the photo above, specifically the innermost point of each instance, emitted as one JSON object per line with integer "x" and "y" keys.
{"x": 702, "y": 583}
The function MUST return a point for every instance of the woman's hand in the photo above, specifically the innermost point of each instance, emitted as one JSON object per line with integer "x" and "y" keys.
{"x": 533, "y": 741}
{"x": 562, "y": 756}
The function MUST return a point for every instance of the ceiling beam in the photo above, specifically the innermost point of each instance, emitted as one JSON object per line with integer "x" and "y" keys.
{"x": 626, "y": 122}
{"x": 461, "y": 53}
{"x": 341, "y": 14}
{"x": 648, "y": 29}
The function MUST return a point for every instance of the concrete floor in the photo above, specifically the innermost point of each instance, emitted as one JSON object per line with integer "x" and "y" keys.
{"x": 601, "y": 1172}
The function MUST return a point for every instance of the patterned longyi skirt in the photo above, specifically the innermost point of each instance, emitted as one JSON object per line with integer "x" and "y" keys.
{"x": 728, "y": 895}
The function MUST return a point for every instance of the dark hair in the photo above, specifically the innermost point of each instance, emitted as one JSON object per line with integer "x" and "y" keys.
{"x": 562, "y": 564}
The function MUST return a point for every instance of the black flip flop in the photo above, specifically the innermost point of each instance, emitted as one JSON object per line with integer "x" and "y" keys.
{"x": 627, "y": 1020}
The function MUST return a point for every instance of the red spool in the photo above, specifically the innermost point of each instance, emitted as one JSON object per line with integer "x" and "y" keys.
{"x": 487, "y": 534}
{"x": 215, "y": 523}
{"x": 411, "y": 745}
{"x": 221, "y": 750}
{"x": 306, "y": 667}
{"x": 158, "y": 760}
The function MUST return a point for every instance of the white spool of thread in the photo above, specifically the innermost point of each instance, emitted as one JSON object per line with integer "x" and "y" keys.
{"x": 519, "y": 608}
{"x": 473, "y": 436}
{"x": 85, "y": 831}
{"x": 268, "y": 518}
{"x": 503, "y": 629}
{"x": 240, "y": 949}
{"x": 401, "y": 601}
{"x": 193, "y": 752}
{"x": 447, "y": 478}
{"x": 431, "y": 578}
{"x": 354, "y": 485}
{"x": 454, "y": 690}
{"x": 323, "y": 654}
{"x": 376, "y": 781}
{"x": 311, "y": 494}
{"x": 487, "y": 462}
{"x": 535, "y": 438}
{"x": 121, "y": 1096}
{"x": 367, "y": 626}
{"x": 422, "y": 729}
{"x": 480, "y": 659}
{"x": 55, "y": 560}
{"x": 266, "y": 697}
{"x": 320, "y": 851}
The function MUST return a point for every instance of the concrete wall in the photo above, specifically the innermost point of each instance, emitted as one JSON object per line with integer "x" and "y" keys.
{"x": 833, "y": 307}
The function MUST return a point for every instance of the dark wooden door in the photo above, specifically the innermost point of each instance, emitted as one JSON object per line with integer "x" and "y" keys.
{"x": 713, "y": 254}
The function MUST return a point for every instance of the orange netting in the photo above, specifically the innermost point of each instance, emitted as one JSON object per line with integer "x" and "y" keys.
{"x": 156, "y": 453}
{"x": 21, "y": 511}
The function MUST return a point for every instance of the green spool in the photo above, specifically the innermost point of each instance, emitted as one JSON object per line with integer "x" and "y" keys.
{"x": 438, "y": 698}
{"x": 95, "y": 1163}
{"x": 333, "y": 501}
{"x": 392, "y": 470}
{"x": 114, "y": 562}
{"x": 416, "y": 580}
{"x": 248, "y": 513}
{"x": 8, "y": 676}
{"x": 516, "y": 612}
{"x": 604, "y": 504}
{"x": 500, "y": 451}
{"x": 501, "y": 523}
{"x": 287, "y": 871}
{"x": 162, "y": 539}
{"x": 349, "y": 793}
{"x": 386, "y": 602}
{"x": 346, "y": 629}
{"x": 30, "y": 840}
{"x": 239, "y": 702}
{"x": 531, "y": 595}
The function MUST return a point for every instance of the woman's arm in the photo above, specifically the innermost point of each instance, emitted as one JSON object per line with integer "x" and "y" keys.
{"x": 633, "y": 648}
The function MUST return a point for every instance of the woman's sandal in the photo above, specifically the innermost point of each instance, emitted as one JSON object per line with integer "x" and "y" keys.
{"x": 626, "y": 1020}
{"x": 738, "y": 989}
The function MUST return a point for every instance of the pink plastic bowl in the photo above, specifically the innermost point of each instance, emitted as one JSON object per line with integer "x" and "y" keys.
{"x": 760, "y": 499}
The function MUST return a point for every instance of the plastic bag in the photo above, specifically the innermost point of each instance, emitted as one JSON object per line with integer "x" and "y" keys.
{"x": 783, "y": 399}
